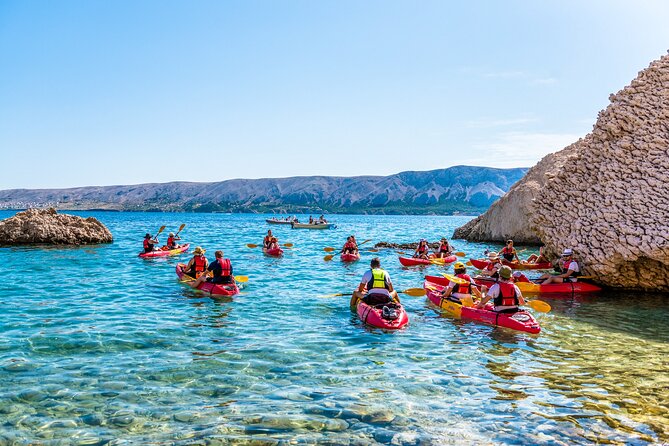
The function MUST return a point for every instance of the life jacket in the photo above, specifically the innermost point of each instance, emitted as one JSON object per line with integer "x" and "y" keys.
{"x": 463, "y": 288}
{"x": 508, "y": 254}
{"x": 378, "y": 280}
{"x": 226, "y": 268}
{"x": 444, "y": 247}
{"x": 422, "y": 248}
{"x": 170, "y": 242}
{"x": 199, "y": 263}
{"x": 565, "y": 268}
{"x": 507, "y": 296}
{"x": 349, "y": 245}
{"x": 146, "y": 243}
{"x": 266, "y": 241}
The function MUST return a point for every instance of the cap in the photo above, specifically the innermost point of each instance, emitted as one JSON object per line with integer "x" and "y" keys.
{"x": 505, "y": 272}
{"x": 493, "y": 256}
{"x": 567, "y": 252}
{"x": 459, "y": 265}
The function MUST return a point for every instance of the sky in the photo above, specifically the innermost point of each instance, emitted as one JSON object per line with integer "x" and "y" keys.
{"x": 129, "y": 92}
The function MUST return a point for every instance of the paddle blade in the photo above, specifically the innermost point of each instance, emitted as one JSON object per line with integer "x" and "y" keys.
{"x": 459, "y": 254}
{"x": 402, "y": 253}
{"x": 373, "y": 250}
{"x": 241, "y": 279}
{"x": 337, "y": 295}
{"x": 287, "y": 245}
{"x": 328, "y": 249}
{"x": 414, "y": 292}
{"x": 328, "y": 257}
{"x": 366, "y": 241}
{"x": 469, "y": 263}
{"x": 183, "y": 225}
{"x": 539, "y": 305}
{"x": 162, "y": 228}
{"x": 251, "y": 245}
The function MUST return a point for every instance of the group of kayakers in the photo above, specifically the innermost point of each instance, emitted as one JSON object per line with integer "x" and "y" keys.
{"x": 423, "y": 250}
{"x": 150, "y": 242}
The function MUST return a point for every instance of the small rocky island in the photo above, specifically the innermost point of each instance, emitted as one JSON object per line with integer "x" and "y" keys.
{"x": 46, "y": 226}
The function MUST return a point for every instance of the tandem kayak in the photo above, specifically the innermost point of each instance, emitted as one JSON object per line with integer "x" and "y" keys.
{"x": 519, "y": 321}
{"x": 211, "y": 288}
{"x": 166, "y": 252}
{"x": 275, "y": 252}
{"x": 350, "y": 257}
{"x": 531, "y": 288}
{"x": 373, "y": 315}
{"x": 482, "y": 263}
{"x": 410, "y": 261}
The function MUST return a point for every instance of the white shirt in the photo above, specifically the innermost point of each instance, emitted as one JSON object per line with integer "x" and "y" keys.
{"x": 573, "y": 266}
{"x": 367, "y": 277}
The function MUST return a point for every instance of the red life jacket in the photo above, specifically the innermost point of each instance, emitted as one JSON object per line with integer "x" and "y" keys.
{"x": 463, "y": 288}
{"x": 170, "y": 242}
{"x": 349, "y": 245}
{"x": 199, "y": 263}
{"x": 507, "y": 296}
{"x": 226, "y": 269}
{"x": 444, "y": 247}
{"x": 422, "y": 249}
{"x": 146, "y": 243}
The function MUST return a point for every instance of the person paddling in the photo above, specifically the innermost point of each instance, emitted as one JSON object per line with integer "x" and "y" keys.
{"x": 268, "y": 239}
{"x": 150, "y": 242}
{"x": 221, "y": 269}
{"x": 569, "y": 270}
{"x": 198, "y": 264}
{"x": 509, "y": 252}
{"x": 444, "y": 249}
{"x": 375, "y": 287}
{"x": 350, "y": 247}
{"x": 422, "y": 250}
{"x": 505, "y": 294}
{"x": 457, "y": 291}
{"x": 493, "y": 266}
{"x": 172, "y": 241}
{"x": 273, "y": 243}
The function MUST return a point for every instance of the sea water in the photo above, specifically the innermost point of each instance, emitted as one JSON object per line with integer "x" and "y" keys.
{"x": 98, "y": 346}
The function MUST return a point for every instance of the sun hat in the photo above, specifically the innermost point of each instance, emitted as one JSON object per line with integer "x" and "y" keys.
{"x": 171, "y": 234}
{"x": 147, "y": 235}
{"x": 493, "y": 256}
{"x": 198, "y": 251}
{"x": 567, "y": 252}
{"x": 505, "y": 272}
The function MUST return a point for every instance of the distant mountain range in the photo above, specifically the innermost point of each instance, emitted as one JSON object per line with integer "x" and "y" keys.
{"x": 456, "y": 190}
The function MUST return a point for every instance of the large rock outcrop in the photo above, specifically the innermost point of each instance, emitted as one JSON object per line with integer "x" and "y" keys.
{"x": 46, "y": 226}
{"x": 606, "y": 196}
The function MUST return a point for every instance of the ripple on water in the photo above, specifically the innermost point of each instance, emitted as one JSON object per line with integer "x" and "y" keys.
{"x": 117, "y": 350}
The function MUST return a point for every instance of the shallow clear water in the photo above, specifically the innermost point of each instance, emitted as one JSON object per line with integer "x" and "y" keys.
{"x": 98, "y": 346}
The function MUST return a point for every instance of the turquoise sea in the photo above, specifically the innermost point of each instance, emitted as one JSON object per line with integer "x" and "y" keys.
{"x": 98, "y": 346}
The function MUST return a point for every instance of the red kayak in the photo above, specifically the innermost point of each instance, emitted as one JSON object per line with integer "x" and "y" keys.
{"x": 350, "y": 257}
{"x": 212, "y": 289}
{"x": 165, "y": 252}
{"x": 520, "y": 320}
{"x": 410, "y": 261}
{"x": 373, "y": 315}
{"x": 531, "y": 288}
{"x": 482, "y": 263}
{"x": 275, "y": 252}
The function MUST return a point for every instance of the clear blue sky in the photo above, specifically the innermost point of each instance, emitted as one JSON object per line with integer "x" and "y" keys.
{"x": 125, "y": 92}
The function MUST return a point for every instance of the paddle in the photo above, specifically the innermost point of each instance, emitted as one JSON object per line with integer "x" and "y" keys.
{"x": 241, "y": 279}
{"x": 328, "y": 257}
{"x": 328, "y": 249}
{"x": 288, "y": 245}
{"x": 372, "y": 250}
{"x": 459, "y": 254}
{"x": 366, "y": 241}
{"x": 183, "y": 225}
{"x": 410, "y": 291}
{"x": 538, "y": 305}
{"x": 162, "y": 228}
{"x": 251, "y": 245}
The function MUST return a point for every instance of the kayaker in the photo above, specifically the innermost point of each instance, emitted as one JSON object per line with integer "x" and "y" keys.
{"x": 456, "y": 291}
{"x": 509, "y": 252}
{"x": 568, "y": 266}
{"x": 505, "y": 294}
{"x": 172, "y": 241}
{"x": 268, "y": 239}
{"x": 311, "y": 220}
{"x": 350, "y": 247}
{"x": 273, "y": 243}
{"x": 375, "y": 287}
{"x": 493, "y": 266}
{"x": 422, "y": 250}
{"x": 541, "y": 258}
{"x": 221, "y": 269}
{"x": 150, "y": 242}
{"x": 198, "y": 264}
{"x": 444, "y": 249}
